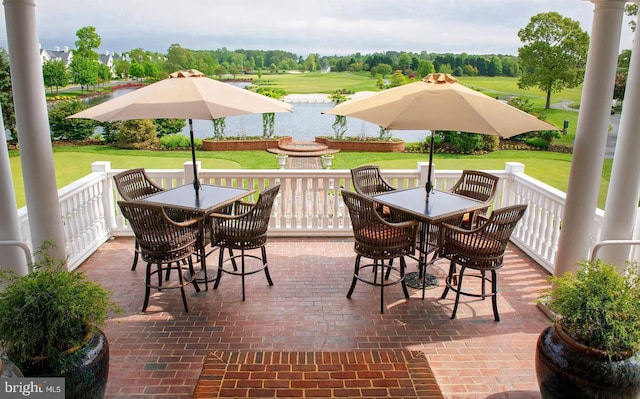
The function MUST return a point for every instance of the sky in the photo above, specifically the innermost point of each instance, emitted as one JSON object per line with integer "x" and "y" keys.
{"x": 327, "y": 27}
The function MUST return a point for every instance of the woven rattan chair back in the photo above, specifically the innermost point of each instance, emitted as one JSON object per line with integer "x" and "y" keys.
{"x": 367, "y": 180}
{"x": 480, "y": 249}
{"x": 380, "y": 240}
{"x": 135, "y": 184}
{"x": 245, "y": 228}
{"x": 163, "y": 241}
{"x": 477, "y": 185}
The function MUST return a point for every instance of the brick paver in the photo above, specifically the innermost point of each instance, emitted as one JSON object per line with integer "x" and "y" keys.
{"x": 161, "y": 353}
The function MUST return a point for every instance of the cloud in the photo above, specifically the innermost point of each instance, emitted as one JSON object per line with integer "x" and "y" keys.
{"x": 330, "y": 27}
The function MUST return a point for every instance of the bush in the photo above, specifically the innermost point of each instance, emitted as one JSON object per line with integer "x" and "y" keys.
{"x": 136, "y": 134}
{"x": 178, "y": 142}
{"x": 538, "y": 143}
{"x": 70, "y": 129}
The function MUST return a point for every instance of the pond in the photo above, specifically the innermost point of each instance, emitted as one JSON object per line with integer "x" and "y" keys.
{"x": 304, "y": 123}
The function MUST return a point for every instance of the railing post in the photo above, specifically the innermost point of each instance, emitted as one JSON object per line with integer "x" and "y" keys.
{"x": 108, "y": 200}
{"x": 509, "y": 195}
{"x": 423, "y": 172}
{"x": 187, "y": 169}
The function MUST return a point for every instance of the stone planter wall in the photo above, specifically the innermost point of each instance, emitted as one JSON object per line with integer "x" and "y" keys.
{"x": 244, "y": 145}
{"x": 361, "y": 145}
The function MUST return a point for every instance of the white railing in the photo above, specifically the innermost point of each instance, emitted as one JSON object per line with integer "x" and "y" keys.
{"x": 308, "y": 204}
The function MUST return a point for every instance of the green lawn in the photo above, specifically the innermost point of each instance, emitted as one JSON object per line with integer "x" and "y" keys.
{"x": 72, "y": 163}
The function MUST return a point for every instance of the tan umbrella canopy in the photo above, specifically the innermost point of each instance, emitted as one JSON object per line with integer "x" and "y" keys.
{"x": 438, "y": 102}
{"x": 184, "y": 95}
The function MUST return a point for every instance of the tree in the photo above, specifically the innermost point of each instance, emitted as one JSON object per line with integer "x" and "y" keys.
{"x": 554, "y": 54}
{"x": 383, "y": 69}
{"x": 84, "y": 71}
{"x": 70, "y": 129}
{"x": 104, "y": 73}
{"x": 166, "y": 127}
{"x": 632, "y": 11}
{"x": 122, "y": 68}
{"x": 425, "y": 67}
{"x": 136, "y": 70}
{"x": 55, "y": 74}
{"x": 397, "y": 79}
{"x": 88, "y": 42}
{"x": 6, "y": 96}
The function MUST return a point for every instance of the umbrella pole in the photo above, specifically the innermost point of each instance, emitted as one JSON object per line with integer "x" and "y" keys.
{"x": 196, "y": 181}
{"x": 429, "y": 185}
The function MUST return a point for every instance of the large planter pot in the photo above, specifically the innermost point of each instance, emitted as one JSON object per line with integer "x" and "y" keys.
{"x": 244, "y": 145}
{"x": 89, "y": 368}
{"x": 567, "y": 369}
{"x": 362, "y": 145}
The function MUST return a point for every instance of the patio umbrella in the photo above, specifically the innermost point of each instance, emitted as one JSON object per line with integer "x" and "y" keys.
{"x": 438, "y": 102}
{"x": 184, "y": 94}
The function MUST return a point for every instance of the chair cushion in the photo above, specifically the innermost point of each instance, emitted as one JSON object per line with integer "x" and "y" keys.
{"x": 471, "y": 244}
{"x": 377, "y": 234}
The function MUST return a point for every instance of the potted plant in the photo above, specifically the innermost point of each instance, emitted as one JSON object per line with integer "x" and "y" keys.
{"x": 49, "y": 322}
{"x": 591, "y": 350}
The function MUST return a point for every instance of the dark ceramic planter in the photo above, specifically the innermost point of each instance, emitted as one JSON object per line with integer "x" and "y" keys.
{"x": 87, "y": 379}
{"x": 566, "y": 369}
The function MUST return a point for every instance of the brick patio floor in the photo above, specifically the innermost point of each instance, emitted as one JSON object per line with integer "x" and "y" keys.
{"x": 160, "y": 354}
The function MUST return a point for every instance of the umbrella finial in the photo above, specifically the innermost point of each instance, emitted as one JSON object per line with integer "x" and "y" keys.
{"x": 439, "y": 78}
{"x": 189, "y": 73}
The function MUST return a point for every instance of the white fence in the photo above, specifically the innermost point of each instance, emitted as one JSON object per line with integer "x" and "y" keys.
{"x": 308, "y": 204}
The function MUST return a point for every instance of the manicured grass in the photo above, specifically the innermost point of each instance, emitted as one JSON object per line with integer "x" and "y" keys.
{"x": 73, "y": 163}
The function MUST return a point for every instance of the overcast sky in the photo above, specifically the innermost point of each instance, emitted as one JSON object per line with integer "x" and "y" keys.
{"x": 326, "y": 27}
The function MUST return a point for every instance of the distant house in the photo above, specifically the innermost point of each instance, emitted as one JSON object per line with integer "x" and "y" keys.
{"x": 65, "y": 55}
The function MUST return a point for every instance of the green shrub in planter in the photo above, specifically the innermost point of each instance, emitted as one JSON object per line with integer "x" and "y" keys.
{"x": 49, "y": 311}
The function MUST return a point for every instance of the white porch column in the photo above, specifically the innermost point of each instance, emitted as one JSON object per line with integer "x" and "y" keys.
{"x": 624, "y": 188}
{"x": 591, "y": 135}
{"x": 11, "y": 258}
{"x": 45, "y": 220}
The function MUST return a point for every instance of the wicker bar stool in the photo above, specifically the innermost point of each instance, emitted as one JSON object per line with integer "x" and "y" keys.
{"x": 481, "y": 249}
{"x": 166, "y": 243}
{"x": 244, "y": 229}
{"x": 132, "y": 185}
{"x": 479, "y": 186}
{"x": 379, "y": 240}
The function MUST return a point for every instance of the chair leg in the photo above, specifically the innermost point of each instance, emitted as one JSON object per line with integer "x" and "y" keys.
{"x": 494, "y": 293}
{"x": 242, "y": 272}
{"x": 136, "y": 252}
{"x": 455, "y": 306}
{"x": 184, "y": 295}
{"x": 355, "y": 276}
{"x": 449, "y": 279}
{"x": 482, "y": 277}
{"x": 219, "y": 275}
{"x": 403, "y": 266}
{"x": 147, "y": 292}
{"x": 381, "y": 284}
{"x": 266, "y": 265}
{"x": 193, "y": 273}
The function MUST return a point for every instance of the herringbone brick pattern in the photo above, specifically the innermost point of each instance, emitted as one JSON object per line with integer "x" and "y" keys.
{"x": 161, "y": 353}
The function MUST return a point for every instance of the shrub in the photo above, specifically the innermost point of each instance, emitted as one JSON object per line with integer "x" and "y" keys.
{"x": 538, "y": 143}
{"x": 70, "y": 129}
{"x": 137, "y": 134}
{"x": 178, "y": 142}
